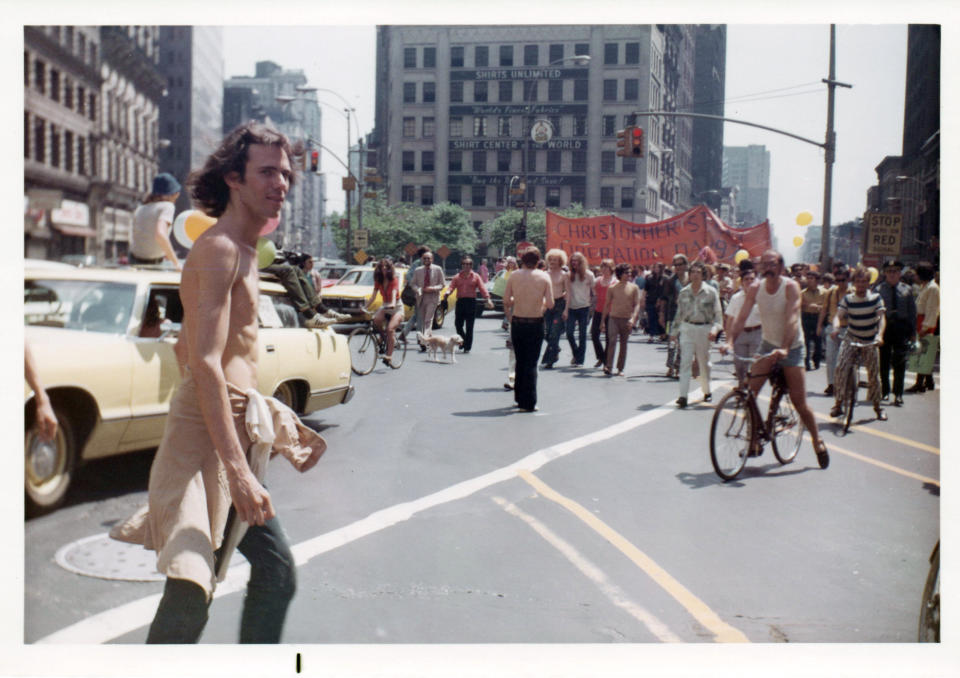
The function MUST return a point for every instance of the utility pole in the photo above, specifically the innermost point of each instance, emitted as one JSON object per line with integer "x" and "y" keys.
{"x": 830, "y": 148}
{"x": 346, "y": 193}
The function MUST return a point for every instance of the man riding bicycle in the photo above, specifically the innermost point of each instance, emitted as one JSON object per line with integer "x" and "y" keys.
{"x": 866, "y": 319}
{"x": 778, "y": 299}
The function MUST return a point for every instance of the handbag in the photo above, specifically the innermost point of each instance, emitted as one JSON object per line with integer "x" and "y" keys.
{"x": 408, "y": 296}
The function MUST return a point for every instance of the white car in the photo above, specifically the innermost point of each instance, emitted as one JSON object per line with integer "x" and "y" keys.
{"x": 110, "y": 373}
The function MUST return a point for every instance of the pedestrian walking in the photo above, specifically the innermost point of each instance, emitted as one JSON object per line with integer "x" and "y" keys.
{"x": 600, "y": 286}
{"x": 698, "y": 321}
{"x": 901, "y": 310}
{"x": 928, "y": 327}
{"x": 427, "y": 281}
{"x": 580, "y": 283}
{"x": 620, "y": 311}
{"x": 467, "y": 283}
{"x": 652, "y": 291}
{"x": 748, "y": 342}
{"x": 555, "y": 319}
{"x": 826, "y": 328}
{"x": 528, "y": 294}
{"x": 669, "y": 295}
{"x": 811, "y": 303}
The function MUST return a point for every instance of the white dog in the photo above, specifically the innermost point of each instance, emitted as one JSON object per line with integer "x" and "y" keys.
{"x": 447, "y": 345}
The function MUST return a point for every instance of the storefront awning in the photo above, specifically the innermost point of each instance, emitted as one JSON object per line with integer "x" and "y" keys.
{"x": 82, "y": 231}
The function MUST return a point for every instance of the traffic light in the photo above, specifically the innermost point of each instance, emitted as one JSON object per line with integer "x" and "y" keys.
{"x": 636, "y": 142}
{"x": 623, "y": 142}
{"x": 314, "y": 161}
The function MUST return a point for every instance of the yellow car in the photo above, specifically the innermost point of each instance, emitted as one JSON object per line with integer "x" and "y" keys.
{"x": 352, "y": 291}
{"x": 110, "y": 372}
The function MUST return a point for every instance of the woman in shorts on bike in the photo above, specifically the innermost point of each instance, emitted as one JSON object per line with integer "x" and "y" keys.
{"x": 387, "y": 284}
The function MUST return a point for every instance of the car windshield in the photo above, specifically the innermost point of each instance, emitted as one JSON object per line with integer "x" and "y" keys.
{"x": 90, "y": 305}
{"x": 360, "y": 277}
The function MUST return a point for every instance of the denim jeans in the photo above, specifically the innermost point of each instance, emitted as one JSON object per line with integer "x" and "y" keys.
{"x": 599, "y": 348}
{"x": 553, "y": 328}
{"x": 182, "y": 612}
{"x": 577, "y": 317}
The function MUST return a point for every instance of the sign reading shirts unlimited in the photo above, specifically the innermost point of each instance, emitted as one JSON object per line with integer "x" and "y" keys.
{"x": 610, "y": 237}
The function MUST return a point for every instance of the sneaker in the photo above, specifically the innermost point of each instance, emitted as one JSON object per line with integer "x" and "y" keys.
{"x": 338, "y": 317}
{"x": 823, "y": 458}
{"x": 707, "y": 398}
{"x": 836, "y": 411}
{"x": 881, "y": 415}
{"x": 508, "y": 386}
{"x": 318, "y": 322}
{"x": 682, "y": 403}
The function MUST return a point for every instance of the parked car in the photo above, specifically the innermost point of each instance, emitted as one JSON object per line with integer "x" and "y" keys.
{"x": 110, "y": 373}
{"x": 351, "y": 292}
{"x": 330, "y": 274}
{"x": 79, "y": 259}
{"x": 495, "y": 286}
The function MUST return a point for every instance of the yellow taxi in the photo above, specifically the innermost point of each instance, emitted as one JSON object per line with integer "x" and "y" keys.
{"x": 103, "y": 342}
{"x": 352, "y": 291}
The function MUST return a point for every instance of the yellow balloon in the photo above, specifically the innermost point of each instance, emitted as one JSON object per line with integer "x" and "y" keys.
{"x": 797, "y": 241}
{"x": 196, "y": 224}
{"x": 874, "y": 274}
{"x": 740, "y": 256}
{"x": 804, "y": 219}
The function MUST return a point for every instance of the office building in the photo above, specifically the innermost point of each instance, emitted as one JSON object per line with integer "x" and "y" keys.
{"x": 748, "y": 169}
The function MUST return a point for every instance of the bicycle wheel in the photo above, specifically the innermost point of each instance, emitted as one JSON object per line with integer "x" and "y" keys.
{"x": 730, "y": 434}
{"x": 851, "y": 399}
{"x": 786, "y": 428}
{"x": 363, "y": 350}
{"x": 399, "y": 352}
{"x": 930, "y": 604}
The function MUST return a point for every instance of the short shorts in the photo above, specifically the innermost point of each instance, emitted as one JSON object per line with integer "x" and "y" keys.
{"x": 794, "y": 355}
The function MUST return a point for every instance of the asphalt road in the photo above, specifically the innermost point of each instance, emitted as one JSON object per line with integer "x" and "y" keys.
{"x": 441, "y": 515}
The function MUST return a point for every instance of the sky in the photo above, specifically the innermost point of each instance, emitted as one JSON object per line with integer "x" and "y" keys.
{"x": 773, "y": 77}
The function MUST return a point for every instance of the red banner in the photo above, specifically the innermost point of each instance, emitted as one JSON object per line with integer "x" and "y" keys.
{"x": 610, "y": 237}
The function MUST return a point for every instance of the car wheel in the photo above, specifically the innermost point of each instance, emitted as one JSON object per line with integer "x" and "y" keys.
{"x": 287, "y": 395}
{"x": 49, "y": 467}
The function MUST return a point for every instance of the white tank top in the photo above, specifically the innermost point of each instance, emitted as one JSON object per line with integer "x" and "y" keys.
{"x": 773, "y": 314}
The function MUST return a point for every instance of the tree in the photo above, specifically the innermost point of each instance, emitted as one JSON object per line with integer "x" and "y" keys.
{"x": 502, "y": 230}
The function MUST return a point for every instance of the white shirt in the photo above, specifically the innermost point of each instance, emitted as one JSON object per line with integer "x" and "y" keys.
{"x": 736, "y": 303}
{"x": 143, "y": 238}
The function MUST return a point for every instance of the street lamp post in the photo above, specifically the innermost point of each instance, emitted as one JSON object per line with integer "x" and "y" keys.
{"x": 580, "y": 60}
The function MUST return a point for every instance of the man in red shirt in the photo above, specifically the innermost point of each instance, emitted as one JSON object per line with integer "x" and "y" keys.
{"x": 466, "y": 283}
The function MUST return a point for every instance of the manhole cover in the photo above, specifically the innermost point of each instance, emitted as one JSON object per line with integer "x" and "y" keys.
{"x": 106, "y": 558}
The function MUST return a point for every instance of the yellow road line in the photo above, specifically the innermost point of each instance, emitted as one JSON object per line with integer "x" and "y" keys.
{"x": 883, "y": 465}
{"x": 723, "y": 632}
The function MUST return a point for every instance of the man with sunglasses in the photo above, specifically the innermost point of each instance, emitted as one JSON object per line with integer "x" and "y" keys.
{"x": 825, "y": 325}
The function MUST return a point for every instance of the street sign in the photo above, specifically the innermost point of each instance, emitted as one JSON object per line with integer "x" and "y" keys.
{"x": 361, "y": 238}
{"x": 443, "y": 251}
{"x": 349, "y": 183}
{"x": 521, "y": 246}
{"x": 370, "y": 194}
{"x": 343, "y": 223}
{"x": 882, "y": 233}
{"x": 410, "y": 249}
{"x": 360, "y": 256}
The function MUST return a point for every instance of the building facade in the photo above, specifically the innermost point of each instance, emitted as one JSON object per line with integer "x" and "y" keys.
{"x": 455, "y": 106}
{"x": 283, "y": 99}
{"x": 191, "y": 114}
{"x": 709, "y": 93}
{"x": 748, "y": 169}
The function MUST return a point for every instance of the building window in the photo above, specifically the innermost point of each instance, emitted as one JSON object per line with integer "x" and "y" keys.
{"x": 529, "y": 90}
{"x": 409, "y": 161}
{"x": 68, "y": 151}
{"x": 39, "y": 140}
{"x": 503, "y": 126}
{"x": 531, "y": 55}
{"x": 92, "y": 110}
{"x": 409, "y": 127}
{"x": 68, "y": 93}
{"x": 481, "y": 56}
{"x": 39, "y": 76}
{"x": 609, "y": 127}
{"x": 480, "y": 91}
{"x": 611, "y": 51}
{"x": 503, "y": 161}
{"x": 553, "y": 161}
{"x": 631, "y": 53}
{"x": 555, "y": 123}
{"x": 502, "y": 196}
{"x": 456, "y": 57}
{"x": 579, "y": 161}
{"x": 478, "y": 196}
{"x": 580, "y": 89}
{"x": 479, "y": 161}
{"x": 454, "y": 194}
{"x": 429, "y": 124}
{"x": 81, "y": 156}
{"x": 631, "y": 89}
{"x": 531, "y": 160}
{"x": 409, "y": 92}
{"x": 629, "y": 165}
{"x": 409, "y": 57}
{"x": 579, "y": 125}
{"x": 455, "y": 161}
{"x": 626, "y": 197}
{"x": 629, "y": 119}
{"x": 578, "y": 194}
{"x": 653, "y": 201}
{"x": 609, "y": 90}
{"x": 430, "y": 58}
{"x": 407, "y": 194}
{"x": 426, "y": 161}
{"x": 506, "y": 55}
{"x": 553, "y": 196}
{"x": 479, "y": 126}
{"x": 26, "y": 134}
{"x": 527, "y": 125}
{"x": 456, "y": 126}
{"x": 581, "y": 49}
{"x": 555, "y": 90}
{"x": 426, "y": 195}
{"x": 506, "y": 90}
{"x": 606, "y": 197}
{"x": 54, "y": 146}
{"x": 456, "y": 90}
{"x": 429, "y": 92}
{"x": 608, "y": 162}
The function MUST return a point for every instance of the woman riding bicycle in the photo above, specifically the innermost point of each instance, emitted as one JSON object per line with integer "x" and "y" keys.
{"x": 864, "y": 313}
{"x": 387, "y": 284}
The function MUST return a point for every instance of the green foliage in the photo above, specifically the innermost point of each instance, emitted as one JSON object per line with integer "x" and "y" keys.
{"x": 501, "y": 232}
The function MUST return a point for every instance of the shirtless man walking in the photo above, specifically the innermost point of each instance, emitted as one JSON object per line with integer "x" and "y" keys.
{"x": 201, "y": 467}
{"x": 528, "y": 293}
{"x": 778, "y": 299}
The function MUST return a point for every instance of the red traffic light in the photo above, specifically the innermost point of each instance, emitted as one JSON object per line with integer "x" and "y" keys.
{"x": 314, "y": 160}
{"x": 636, "y": 142}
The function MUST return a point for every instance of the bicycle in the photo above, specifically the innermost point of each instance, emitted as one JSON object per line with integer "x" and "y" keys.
{"x": 367, "y": 342}
{"x": 929, "y": 631}
{"x": 849, "y": 399}
{"x": 738, "y": 430}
